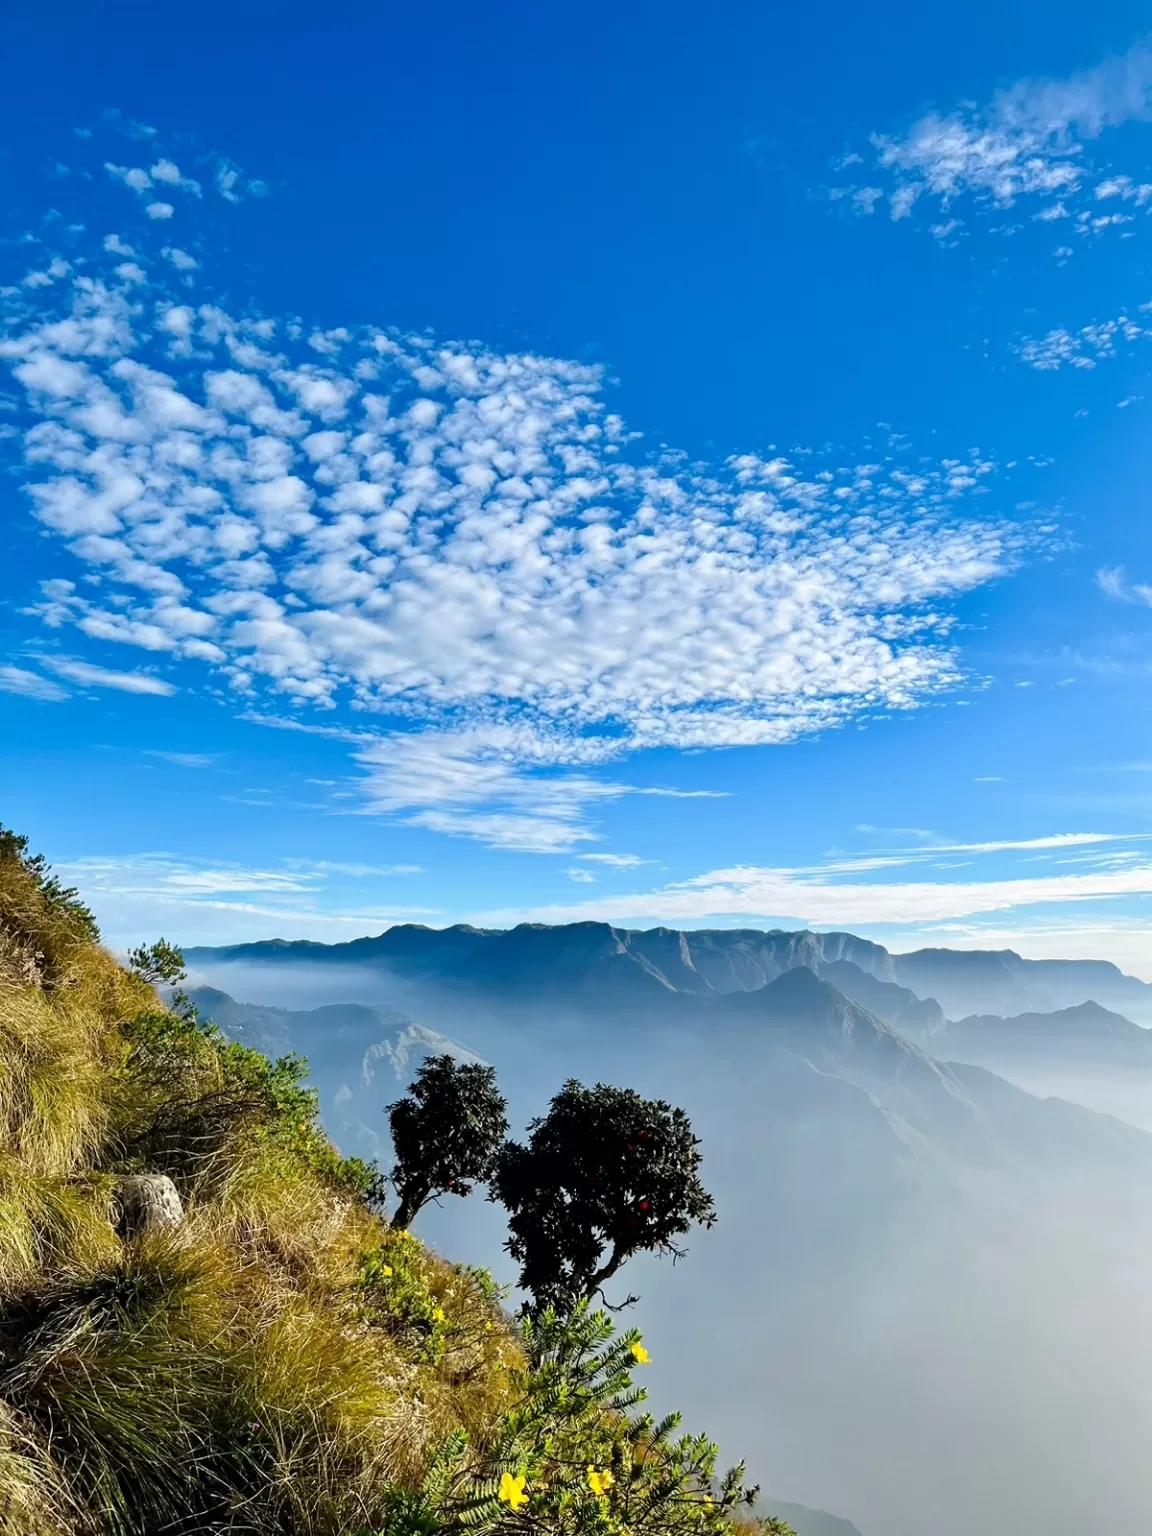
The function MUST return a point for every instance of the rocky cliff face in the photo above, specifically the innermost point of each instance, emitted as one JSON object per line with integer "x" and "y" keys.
{"x": 626, "y": 966}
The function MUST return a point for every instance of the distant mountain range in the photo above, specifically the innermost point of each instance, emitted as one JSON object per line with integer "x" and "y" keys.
{"x": 1086, "y": 1036}
{"x": 916, "y": 991}
{"x": 359, "y": 1057}
{"x": 828, "y": 1057}
{"x": 804, "y": 1521}
{"x": 884, "y": 1196}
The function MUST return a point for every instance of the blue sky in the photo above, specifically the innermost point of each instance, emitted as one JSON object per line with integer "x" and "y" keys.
{"x": 664, "y": 464}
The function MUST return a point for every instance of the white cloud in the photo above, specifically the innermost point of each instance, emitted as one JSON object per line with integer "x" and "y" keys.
{"x": 159, "y": 210}
{"x": 232, "y": 184}
{"x": 180, "y": 259}
{"x": 1114, "y": 584}
{"x": 167, "y": 172}
{"x": 197, "y": 901}
{"x": 184, "y": 759}
{"x": 614, "y": 860}
{"x": 1082, "y": 348}
{"x": 18, "y": 680}
{"x": 821, "y": 897}
{"x": 1029, "y": 141}
{"x": 1056, "y": 840}
{"x": 485, "y": 783}
{"x": 465, "y": 540}
{"x": 87, "y": 675}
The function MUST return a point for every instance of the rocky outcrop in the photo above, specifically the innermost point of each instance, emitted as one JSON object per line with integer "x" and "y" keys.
{"x": 146, "y": 1202}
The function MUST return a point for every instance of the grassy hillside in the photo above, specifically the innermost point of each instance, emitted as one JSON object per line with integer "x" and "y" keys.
{"x": 270, "y": 1355}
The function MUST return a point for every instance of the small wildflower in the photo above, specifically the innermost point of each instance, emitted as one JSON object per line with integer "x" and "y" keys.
{"x": 512, "y": 1491}
{"x": 600, "y": 1482}
{"x": 438, "y": 1314}
{"x": 640, "y": 1354}
{"x": 386, "y": 1270}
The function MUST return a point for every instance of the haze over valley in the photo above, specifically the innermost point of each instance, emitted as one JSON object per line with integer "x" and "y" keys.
{"x": 904, "y": 1229}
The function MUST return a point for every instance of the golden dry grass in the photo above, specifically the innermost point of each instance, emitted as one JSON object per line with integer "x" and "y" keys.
{"x": 280, "y": 1364}
{"x": 240, "y": 1373}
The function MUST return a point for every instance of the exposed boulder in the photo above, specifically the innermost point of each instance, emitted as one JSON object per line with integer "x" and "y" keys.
{"x": 146, "y": 1202}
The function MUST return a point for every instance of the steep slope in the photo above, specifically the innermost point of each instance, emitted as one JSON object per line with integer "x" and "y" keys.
{"x": 919, "y": 1018}
{"x": 972, "y": 1127}
{"x": 209, "y": 1328}
{"x": 359, "y": 1057}
{"x": 577, "y": 960}
{"x": 913, "y": 1252}
{"x": 1002, "y": 982}
{"x": 1087, "y": 1036}
{"x": 804, "y": 1521}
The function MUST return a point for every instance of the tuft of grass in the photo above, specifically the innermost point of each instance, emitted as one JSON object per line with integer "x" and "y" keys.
{"x": 284, "y": 1363}
{"x": 44, "y": 926}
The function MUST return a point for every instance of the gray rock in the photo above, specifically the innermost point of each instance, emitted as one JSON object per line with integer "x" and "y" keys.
{"x": 146, "y": 1202}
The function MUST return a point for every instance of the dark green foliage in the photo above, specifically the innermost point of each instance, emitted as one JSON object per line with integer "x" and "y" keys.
{"x": 42, "y": 922}
{"x": 278, "y": 1361}
{"x": 155, "y": 963}
{"x": 197, "y": 1104}
{"x": 605, "y": 1174}
{"x": 56, "y": 898}
{"x": 582, "y": 1463}
{"x": 446, "y": 1134}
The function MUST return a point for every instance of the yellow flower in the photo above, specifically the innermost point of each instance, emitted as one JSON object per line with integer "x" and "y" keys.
{"x": 600, "y": 1482}
{"x": 438, "y": 1314}
{"x": 512, "y": 1491}
{"x": 640, "y": 1354}
{"x": 385, "y": 1270}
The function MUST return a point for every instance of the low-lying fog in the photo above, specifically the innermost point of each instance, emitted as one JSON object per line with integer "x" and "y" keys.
{"x": 924, "y": 1352}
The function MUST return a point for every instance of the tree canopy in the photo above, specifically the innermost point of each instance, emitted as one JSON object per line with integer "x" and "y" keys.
{"x": 447, "y": 1133}
{"x": 605, "y": 1174}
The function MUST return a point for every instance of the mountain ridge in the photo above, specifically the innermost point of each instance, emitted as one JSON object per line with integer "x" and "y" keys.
{"x": 545, "y": 960}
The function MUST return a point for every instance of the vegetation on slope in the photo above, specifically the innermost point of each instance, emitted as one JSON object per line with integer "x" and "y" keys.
{"x": 278, "y": 1359}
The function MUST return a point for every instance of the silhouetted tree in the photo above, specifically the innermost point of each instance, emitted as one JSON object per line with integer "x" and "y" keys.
{"x": 605, "y": 1174}
{"x": 446, "y": 1134}
{"x": 159, "y": 962}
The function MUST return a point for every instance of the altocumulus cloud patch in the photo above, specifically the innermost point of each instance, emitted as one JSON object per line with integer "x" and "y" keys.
{"x": 466, "y": 543}
{"x": 1028, "y": 145}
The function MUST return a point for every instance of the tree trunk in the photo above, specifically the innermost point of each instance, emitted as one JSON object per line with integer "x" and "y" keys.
{"x": 411, "y": 1204}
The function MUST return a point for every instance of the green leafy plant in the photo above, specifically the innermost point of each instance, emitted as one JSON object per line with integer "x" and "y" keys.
{"x": 43, "y": 923}
{"x": 157, "y": 963}
{"x": 447, "y": 1133}
{"x": 281, "y": 1360}
{"x": 570, "y": 1457}
{"x": 605, "y": 1174}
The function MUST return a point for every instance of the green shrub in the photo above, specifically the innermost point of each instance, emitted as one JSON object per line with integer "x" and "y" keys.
{"x": 570, "y": 1457}
{"x": 282, "y": 1363}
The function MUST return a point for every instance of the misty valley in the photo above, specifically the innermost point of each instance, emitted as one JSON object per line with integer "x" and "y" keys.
{"x": 927, "y": 1302}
